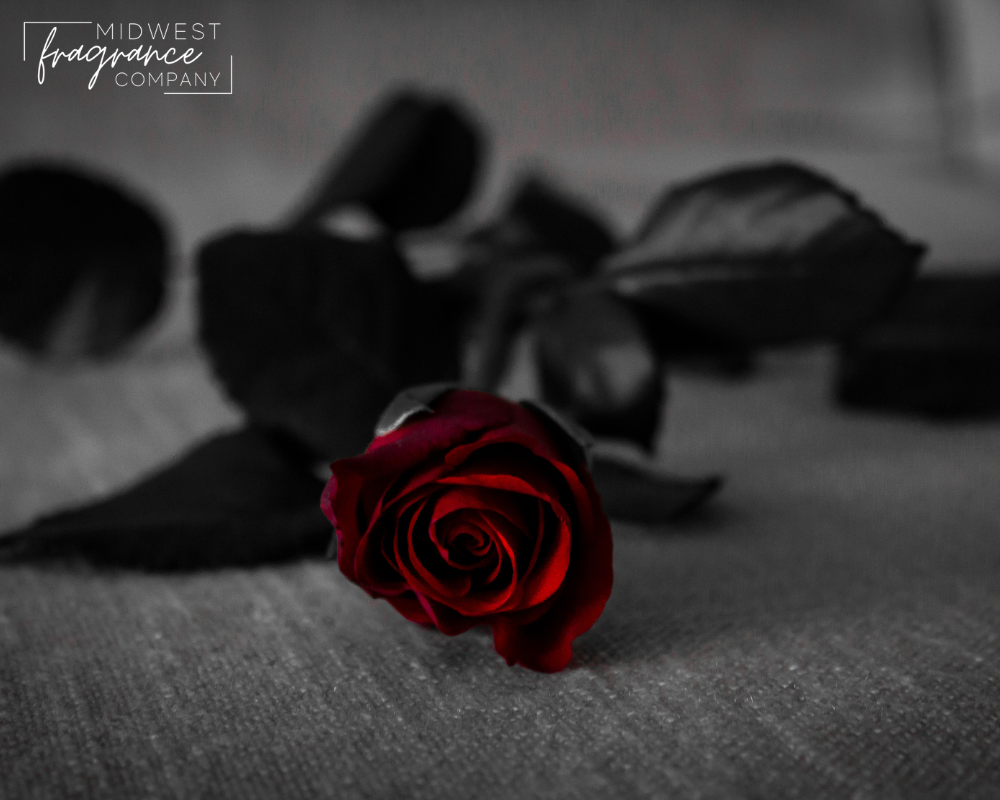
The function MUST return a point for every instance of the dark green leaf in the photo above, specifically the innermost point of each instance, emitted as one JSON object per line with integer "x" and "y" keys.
{"x": 82, "y": 265}
{"x": 759, "y": 256}
{"x": 413, "y": 164}
{"x": 241, "y": 498}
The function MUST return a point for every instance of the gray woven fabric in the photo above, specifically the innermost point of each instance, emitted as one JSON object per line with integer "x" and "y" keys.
{"x": 830, "y": 627}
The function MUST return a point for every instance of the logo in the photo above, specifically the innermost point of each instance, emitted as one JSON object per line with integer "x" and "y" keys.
{"x": 171, "y": 57}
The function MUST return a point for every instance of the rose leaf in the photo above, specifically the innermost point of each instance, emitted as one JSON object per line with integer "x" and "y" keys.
{"x": 562, "y": 225}
{"x": 937, "y": 354}
{"x": 596, "y": 366}
{"x": 760, "y": 256}
{"x": 500, "y": 303}
{"x": 413, "y": 164}
{"x": 633, "y": 493}
{"x": 241, "y": 498}
{"x": 578, "y": 440}
{"x": 82, "y": 265}
{"x": 315, "y": 334}
{"x": 540, "y": 218}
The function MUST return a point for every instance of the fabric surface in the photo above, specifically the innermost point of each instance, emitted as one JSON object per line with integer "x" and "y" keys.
{"x": 828, "y": 627}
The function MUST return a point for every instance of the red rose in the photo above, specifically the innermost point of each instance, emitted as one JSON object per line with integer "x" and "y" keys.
{"x": 477, "y": 514}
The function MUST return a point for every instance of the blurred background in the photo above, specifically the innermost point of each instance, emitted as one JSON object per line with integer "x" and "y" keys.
{"x": 898, "y": 98}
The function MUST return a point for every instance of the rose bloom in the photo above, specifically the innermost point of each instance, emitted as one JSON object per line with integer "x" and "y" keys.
{"x": 477, "y": 514}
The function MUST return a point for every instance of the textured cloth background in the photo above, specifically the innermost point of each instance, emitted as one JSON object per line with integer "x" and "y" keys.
{"x": 830, "y": 626}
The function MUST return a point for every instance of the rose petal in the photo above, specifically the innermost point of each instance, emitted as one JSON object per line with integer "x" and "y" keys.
{"x": 544, "y": 576}
{"x": 453, "y": 583}
{"x": 509, "y": 505}
{"x": 447, "y": 620}
{"x": 410, "y": 607}
{"x": 491, "y": 469}
{"x": 374, "y": 562}
{"x": 458, "y": 415}
{"x": 501, "y": 474}
{"x": 462, "y": 534}
{"x": 502, "y": 579}
{"x": 545, "y": 645}
{"x": 416, "y": 575}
